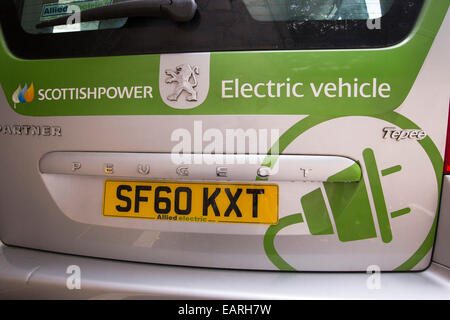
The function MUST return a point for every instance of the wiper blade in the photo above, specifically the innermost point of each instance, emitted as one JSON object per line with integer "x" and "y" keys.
{"x": 176, "y": 10}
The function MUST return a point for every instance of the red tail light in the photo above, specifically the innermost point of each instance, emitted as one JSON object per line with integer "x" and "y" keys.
{"x": 447, "y": 148}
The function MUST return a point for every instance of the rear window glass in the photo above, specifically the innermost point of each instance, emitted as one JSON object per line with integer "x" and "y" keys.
{"x": 35, "y": 11}
{"x": 304, "y": 10}
{"x": 218, "y": 25}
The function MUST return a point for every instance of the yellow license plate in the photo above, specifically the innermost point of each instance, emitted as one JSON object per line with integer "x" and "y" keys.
{"x": 192, "y": 201}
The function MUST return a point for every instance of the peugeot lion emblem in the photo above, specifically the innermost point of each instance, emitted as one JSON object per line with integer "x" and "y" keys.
{"x": 185, "y": 77}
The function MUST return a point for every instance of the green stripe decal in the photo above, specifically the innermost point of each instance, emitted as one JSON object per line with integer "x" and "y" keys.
{"x": 350, "y": 174}
{"x": 377, "y": 194}
{"x": 316, "y": 213}
{"x": 350, "y": 206}
{"x": 400, "y": 212}
{"x": 395, "y": 118}
{"x": 391, "y": 170}
{"x": 436, "y": 159}
{"x": 269, "y": 238}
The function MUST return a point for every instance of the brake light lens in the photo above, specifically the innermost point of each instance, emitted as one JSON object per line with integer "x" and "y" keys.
{"x": 447, "y": 148}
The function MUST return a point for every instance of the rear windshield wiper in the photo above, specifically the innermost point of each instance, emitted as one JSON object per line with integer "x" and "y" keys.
{"x": 176, "y": 10}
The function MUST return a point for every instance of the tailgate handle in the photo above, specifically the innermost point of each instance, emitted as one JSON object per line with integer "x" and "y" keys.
{"x": 211, "y": 167}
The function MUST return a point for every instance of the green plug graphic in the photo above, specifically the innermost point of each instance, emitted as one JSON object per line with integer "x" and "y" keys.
{"x": 350, "y": 206}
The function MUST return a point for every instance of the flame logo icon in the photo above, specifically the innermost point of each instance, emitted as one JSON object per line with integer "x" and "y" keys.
{"x": 23, "y": 95}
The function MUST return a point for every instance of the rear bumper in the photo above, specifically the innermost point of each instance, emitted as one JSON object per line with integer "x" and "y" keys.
{"x": 32, "y": 274}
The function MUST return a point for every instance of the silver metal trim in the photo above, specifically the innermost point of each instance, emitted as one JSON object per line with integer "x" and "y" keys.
{"x": 224, "y": 167}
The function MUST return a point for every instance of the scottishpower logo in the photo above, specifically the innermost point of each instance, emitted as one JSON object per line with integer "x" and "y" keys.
{"x": 29, "y": 93}
{"x": 23, "y": 95}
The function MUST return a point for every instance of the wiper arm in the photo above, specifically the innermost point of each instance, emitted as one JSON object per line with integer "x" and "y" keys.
{"x": 176, "y": 10}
